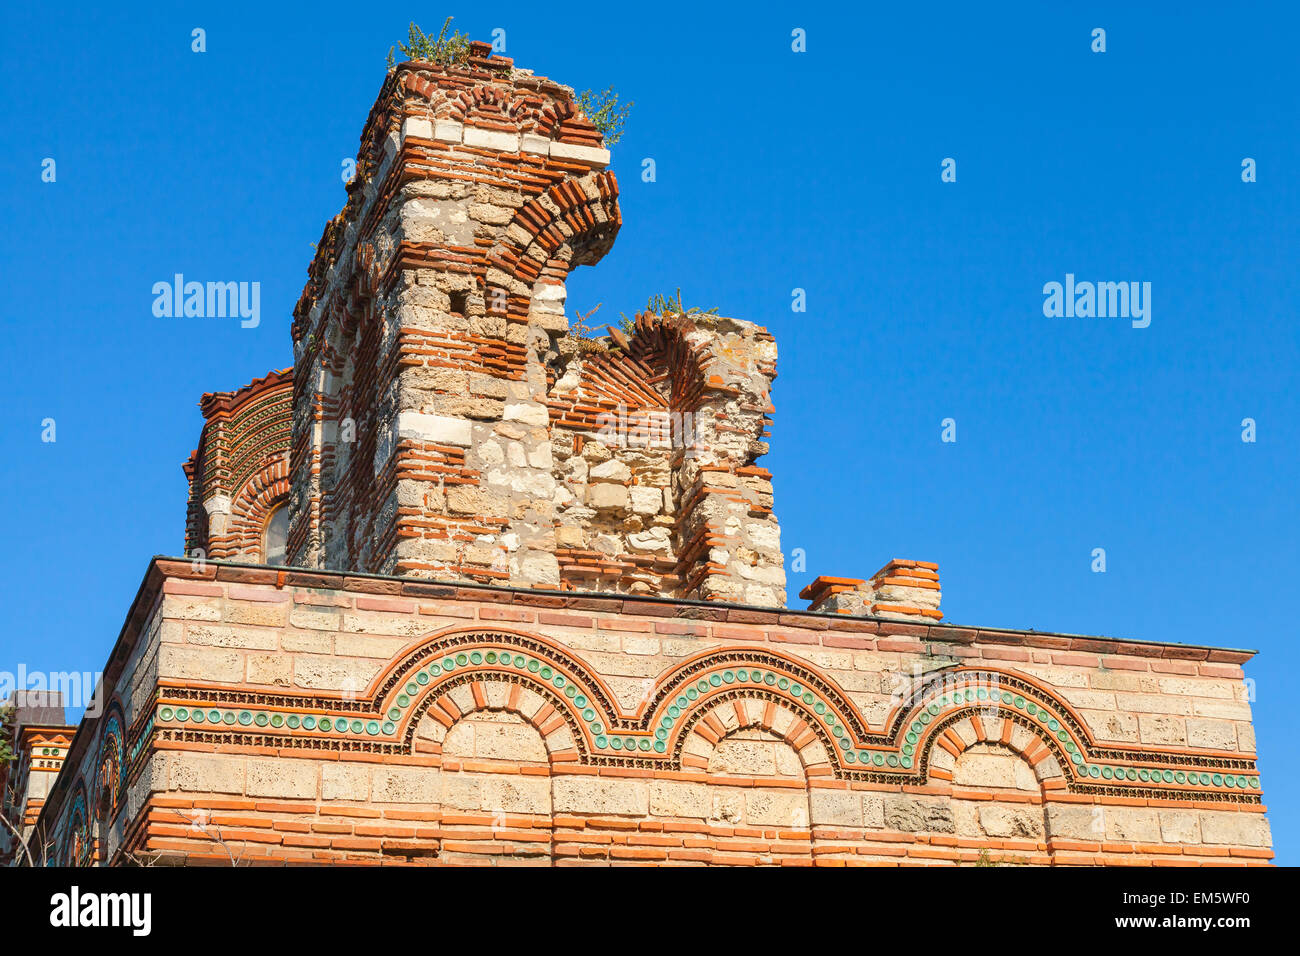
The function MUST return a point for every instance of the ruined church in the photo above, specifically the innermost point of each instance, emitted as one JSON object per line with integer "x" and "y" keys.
{"x": 465, "y": 587}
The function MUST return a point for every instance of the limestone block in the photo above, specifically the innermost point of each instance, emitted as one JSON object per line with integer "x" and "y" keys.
{"x": 909, "y": 815}
{"x": 532, "y": 143}
{"x": 462, "y": 791}
{"x": 447, "y": 131}
{"x": 1132, "y": 824}
{"x": 1180, "y": 826}
{"x": 306, "y": 643}
{"x": 589, "y": 155}
{"x": 1162, "y": 729}
{"x": 468, "y": 500}
{"x": 270, "y": 669}
{"x": 316, "y": 619}
{"x": 204, "y": 773}
{"x": 777, "y": 808}
{"x": 418, "y": 127}
{"x": 200, "y": 663}
{"x": 439, "y": 429}
{"x": 492, "y": 139}
{"x": 673, "y": 799}
{"x": 1073, "y": 822}
{"x": 511, "y": 793}
{"x": 505, "y": 737}
{"x": 343, "y": 781}
{"x": 1108, "y": 725}
{"x": 873, "y": 811}
{"x": 1236, "y": 829}
{"x": 283, "y": 777}
{"x": 392, "y": 784}
{"x": 1011, "y": 822}
{"x": 263, "y": 615}
{"x": 530, "y": 413}
{"x": 188, "y": 609}
{"x": 582, "y": 794}
{"x": 607, "y": 497}
{"x": 334, "y": 673}
{"x": 223, "y": 636}
{"x": 835, "y": 807}
{"x": 728, "y": 805}
{"x": 1153, "y": 704}
{"x": 646, "y": 501}
{"x": 612, "y": 470}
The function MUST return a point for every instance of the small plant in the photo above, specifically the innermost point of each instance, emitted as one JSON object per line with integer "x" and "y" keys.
{"x": 667, "y": 305}
{"x": 605, "y": 113}
{"x": 6, "y": 734}
{"x": 580, "y": 327}
{"x": 443, "y": 50}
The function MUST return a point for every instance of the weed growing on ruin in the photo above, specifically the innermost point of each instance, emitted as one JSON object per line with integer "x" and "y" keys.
{"x": 443, "y": 50}
{"x": 605, "y": 113}
{"x": 6, "y": 734}
{"x": 666, "y": 305}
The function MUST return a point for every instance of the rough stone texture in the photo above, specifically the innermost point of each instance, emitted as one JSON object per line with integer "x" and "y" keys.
{"x": 493, "y": 763}
{"x": 446, "y": 423}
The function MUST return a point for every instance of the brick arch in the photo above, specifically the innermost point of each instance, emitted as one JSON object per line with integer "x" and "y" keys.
{"x": 660, "y": 341}
{"x": 726, "y": 718}
{"x": 572, "y": 223}
{"x": 413, "y": 664}
{"x": 266, "y": 489}
{"x": 453, "y": 702}
{"x": 958, "y": 727}
{"x": 696, "y": 673}
{"x": 110, "y": 776}
{"x": 78, "y": 841}
{"x": 1030, "y": 744}
{"x": 499, "y": 103}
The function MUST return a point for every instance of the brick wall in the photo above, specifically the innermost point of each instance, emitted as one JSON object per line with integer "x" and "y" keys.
{"x": 482, "y": 724}
{"x": 447, "y": 422}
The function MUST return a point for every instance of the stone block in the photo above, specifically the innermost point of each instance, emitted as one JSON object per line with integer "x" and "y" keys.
{"x": 283, "y": 777}
{"x": 582, "y": 794}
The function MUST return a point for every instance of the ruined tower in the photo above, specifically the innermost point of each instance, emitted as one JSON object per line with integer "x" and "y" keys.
{"x": 448, "y": 425}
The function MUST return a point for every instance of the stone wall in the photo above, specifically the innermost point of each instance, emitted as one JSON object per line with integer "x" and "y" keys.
{"x": 285, "y": 716}
{"x": 442, "y": 407}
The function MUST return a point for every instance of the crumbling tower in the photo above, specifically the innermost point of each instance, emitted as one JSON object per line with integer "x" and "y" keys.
{"x": 446, "y": 422}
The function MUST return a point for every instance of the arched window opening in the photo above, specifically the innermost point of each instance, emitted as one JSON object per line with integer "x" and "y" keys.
{"x": 275, "y": 536}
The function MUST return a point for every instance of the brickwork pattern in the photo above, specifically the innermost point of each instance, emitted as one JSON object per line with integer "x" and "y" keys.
{"x": 442, "y": 409}
{"x": 240, "y": 472}
{"x": 303, "y": 717}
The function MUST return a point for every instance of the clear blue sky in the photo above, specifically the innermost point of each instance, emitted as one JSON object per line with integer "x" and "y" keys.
{"x": 775, "y": 170}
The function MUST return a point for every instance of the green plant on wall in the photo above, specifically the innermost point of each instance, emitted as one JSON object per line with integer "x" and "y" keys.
{"x": 6, "y": 734}
{"x": 666, "y": 305}
{"x": 605, "y": 113}
{"x": 444, "y": 49}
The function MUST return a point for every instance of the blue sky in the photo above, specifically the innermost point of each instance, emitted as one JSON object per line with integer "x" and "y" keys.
{"x": 775, "y": 171}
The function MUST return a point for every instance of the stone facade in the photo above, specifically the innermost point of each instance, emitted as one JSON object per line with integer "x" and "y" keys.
{"x": 291, "y": 716}
{"x": 534, "y": 608}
